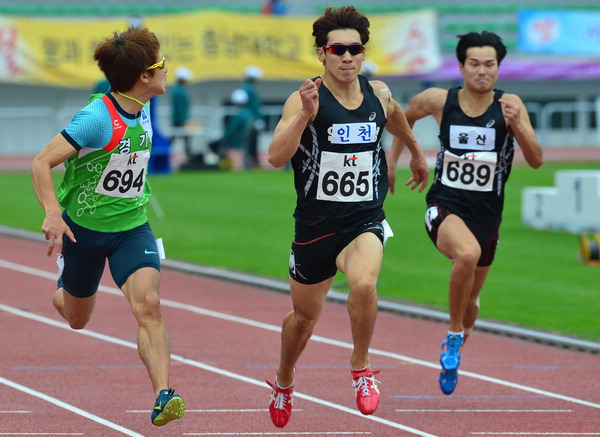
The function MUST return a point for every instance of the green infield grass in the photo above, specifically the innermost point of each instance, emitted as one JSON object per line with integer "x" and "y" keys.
{"x": 243, "y": 221}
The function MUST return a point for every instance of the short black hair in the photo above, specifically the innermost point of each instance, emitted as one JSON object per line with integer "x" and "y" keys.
{"x": 125, "y": 55}
{"x": 483, "y": 39}
{"x": 344, "y": 17}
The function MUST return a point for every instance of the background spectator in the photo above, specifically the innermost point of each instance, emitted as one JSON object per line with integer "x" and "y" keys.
{"x": 251, "y": 75}
{"x": 180, "y": 108}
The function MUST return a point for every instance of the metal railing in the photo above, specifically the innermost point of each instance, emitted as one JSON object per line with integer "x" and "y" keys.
{"x": 25, "y": 131}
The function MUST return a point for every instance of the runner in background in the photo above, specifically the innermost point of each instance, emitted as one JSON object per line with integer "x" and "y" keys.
{"x": 478, "y": 125}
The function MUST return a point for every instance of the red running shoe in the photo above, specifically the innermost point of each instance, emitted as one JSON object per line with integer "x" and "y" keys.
{"x": 365, "y": 387}
{"x": 280, "y": 406}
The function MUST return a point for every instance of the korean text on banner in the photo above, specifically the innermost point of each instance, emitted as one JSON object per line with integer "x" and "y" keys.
{"x": 215, "y": 45}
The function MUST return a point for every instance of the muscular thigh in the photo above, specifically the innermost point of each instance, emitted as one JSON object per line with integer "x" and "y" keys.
{"x": 484, "y": 232}
{"x": 315, "y": 260}
{"x": 361, "y": 256}
{"x": 134, "y": 250}
{"x": 308, "y": 299}
{"x": 83, "y": 262}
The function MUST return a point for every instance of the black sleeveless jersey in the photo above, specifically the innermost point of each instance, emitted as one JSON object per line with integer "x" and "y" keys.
{"x": 340, "y": 171}
{"x": 474, "y": 161}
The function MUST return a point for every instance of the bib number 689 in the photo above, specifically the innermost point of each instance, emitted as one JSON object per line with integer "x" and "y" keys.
{"x": 468, "y": 173}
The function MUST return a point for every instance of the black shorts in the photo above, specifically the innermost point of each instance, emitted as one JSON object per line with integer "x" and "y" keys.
{"x": 313, "y": 261}
{"x": 485, "y": 231}
{"x": 84, "y": 261}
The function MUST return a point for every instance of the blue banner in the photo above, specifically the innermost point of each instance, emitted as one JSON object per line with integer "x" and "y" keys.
{"x": 558, "y": 32}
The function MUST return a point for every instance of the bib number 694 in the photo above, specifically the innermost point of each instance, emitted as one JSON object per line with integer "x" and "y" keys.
{"x": 124, "y": 175}
{"x": 123, "y": 182}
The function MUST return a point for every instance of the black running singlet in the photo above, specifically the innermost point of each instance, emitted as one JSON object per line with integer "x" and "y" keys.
{"x": 474, "y": 161}
{"x": 340, "y": 171}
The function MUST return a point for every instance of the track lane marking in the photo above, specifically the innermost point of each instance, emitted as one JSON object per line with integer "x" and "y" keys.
{"x": 317, "y": 338}
{"x": 553, "y": 434}
{"x": 68, "y": 407}
{"x": 459, "y": 410}
{"x": 277, "y": 433}
{"x": 209, "y": 368}
{"x": 274, "y": 328}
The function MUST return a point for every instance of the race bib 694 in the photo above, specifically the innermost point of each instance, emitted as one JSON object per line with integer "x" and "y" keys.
{"x": 125, "y": 175}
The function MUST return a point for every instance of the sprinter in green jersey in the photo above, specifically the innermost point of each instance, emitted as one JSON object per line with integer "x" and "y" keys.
{"x": 99, "y": 213}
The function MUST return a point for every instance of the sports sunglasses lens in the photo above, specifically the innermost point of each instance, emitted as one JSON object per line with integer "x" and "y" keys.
{"x": 355, "y": 49}
{"x": 337, "y": 50}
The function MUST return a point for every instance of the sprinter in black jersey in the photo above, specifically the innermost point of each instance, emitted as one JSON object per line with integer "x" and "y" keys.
{"x": 331, "y": 131}
{"x": 477, "y": 127}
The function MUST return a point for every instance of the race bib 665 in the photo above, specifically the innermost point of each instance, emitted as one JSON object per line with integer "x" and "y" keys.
{"x": 346, "y": 177}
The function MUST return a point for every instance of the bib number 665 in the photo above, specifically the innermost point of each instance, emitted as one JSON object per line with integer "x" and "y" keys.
{"x": 346, "y": 185}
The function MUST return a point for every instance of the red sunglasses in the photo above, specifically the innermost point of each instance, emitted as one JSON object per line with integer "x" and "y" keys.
{"x": 340, "y": 49}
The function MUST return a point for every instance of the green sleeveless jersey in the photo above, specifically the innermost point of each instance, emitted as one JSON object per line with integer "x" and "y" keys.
{"x": 105, "y": 189}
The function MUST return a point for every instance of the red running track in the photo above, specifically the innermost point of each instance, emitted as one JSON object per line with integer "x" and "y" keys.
{"x": 225, "y": 343}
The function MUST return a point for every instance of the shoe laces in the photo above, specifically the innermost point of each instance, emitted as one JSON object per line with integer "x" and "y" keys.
{"x": 280, "y": 396}
{"x": 363, "y": 381}
{"x": 453, "y": 345}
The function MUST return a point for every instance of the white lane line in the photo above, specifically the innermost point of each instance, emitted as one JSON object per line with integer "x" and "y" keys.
{"x": 277, "y": 433}
{"x": 317, "y": 338}
{"x": 554, "y": 434}
{"x": 449, "y": 410}
{"x": 40, "y": 433}
{"x": 274, "y": 328}
{"x": 69, "y": 407}
{"x": 241, "y": 410}
{"x": 219, "y": 371}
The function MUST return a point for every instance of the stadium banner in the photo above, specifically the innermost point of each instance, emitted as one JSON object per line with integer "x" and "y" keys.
{"x": 214, "y": 45}
{"x": 557, "y": 32}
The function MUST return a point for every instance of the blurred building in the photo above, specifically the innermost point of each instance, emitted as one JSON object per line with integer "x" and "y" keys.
{"x": 561, "y": 91}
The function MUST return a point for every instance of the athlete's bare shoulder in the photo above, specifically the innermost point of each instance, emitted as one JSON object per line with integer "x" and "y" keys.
{"x": 381, "y": 90}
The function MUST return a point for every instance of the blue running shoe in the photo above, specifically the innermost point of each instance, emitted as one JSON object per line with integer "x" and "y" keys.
{"x": 450, "y": 360}
{"x": 168, "y": 406}
{"x": 448, "y": 381}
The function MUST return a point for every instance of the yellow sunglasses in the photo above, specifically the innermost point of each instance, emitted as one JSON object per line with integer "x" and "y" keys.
{"x": 160, "y": 64}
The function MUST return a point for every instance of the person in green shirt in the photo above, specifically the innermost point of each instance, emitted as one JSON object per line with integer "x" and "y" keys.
{"x": 238, "y": 129}
{"x": 180, "y": 108}
{"x": 98, "y": 212}
{"x": 252, "y": 75}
